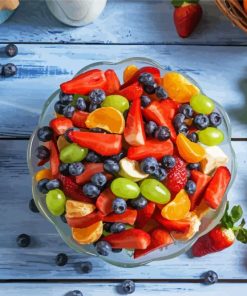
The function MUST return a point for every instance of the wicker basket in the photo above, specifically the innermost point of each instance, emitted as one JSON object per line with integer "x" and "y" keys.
{"x": 233, "y": 9}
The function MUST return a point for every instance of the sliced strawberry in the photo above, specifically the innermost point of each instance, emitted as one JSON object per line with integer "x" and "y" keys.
{"x": 171, "y": 108}
{"x": 54, "y": 159}
{"x": 150, "y": 225}
{"x": 217, "y": 187}
{"x": 171, "y": 225}
{"x": 131, "y": 92}
{"x": 85, "y": 221}
{"x": 129, "y": 217}
{"x": 144, "y": 215}
{"x": 42, "y": 162}
{"x": 72, "y": 190}
{"x": 104, "y": 201}
{"x": 129, "y": 239}
{"x": 113, "y": 83}
{"x": 79, "y": 118}
{"x": 159, "y": 239}
{"x": 201, "y": 181}
{"x": 60, "y": 125}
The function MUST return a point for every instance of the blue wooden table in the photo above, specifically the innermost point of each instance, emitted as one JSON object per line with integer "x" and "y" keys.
{"x": 49, "y": 53}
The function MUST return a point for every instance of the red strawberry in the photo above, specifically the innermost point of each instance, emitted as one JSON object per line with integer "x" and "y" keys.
{"x": 129, "y": 239}
{"x": 42, "y": 162}
{"x": 129, "y": 217}
{"x": 85, "y": 221}
{"x": 217, "y": 187}
{"x": 60, "y": 125}
{"x": 79, "y": 118}
{"x": 186, "y": 17}
{"x": 144, "y": 215}
{"x": 113, "y": 83}
{"x": 171, "y": 107}
{"x": 72, "y": 190}
{"x": 54, "y": 159}
{"x": 104, "y": 201}
{"x": 159, "y": 239}
{"x": 177, "y": 176}
{"x": 131, "y": 92}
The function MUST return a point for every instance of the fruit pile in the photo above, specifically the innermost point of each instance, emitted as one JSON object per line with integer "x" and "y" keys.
{"x": 132, "y": 166}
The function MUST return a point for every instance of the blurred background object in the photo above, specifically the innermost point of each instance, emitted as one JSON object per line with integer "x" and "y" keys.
{"x": 7, "y": 7}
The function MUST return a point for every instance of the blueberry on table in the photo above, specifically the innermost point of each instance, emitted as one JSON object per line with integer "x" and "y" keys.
{"x": 139, "y": 202}
{"x": 210, "y": 277}
{"x": 11, "y": 50}
{"x": 93, "y": 157}
{"x": 90, "y": 190}
{"x": 86, "y": 267}
{"x": 150, "y": 89}
{"x": 128, "y": 287}
{"x": 41, "y": 186}
{"x": 146, "y": 79}
{"x": 61, "y": 259}
{"x": 81, "y": 104}
{"x": 23, "y": 240}
{"x": 190, "y": 187}
{"x": 45, "y": 134}
{"x": 111, "y": 166}
{"x": 99, "y": 180}
{"x": 178, "y": 120}
{"x": 161, "y": 93}
{"x": 215, "y": 119}
{"x": 74, "y": 293}
{"x": 76, "y": 168}
{"x": 64, "y": 169}
{"x": 183, "y": 129}
{"x": 65, "y": 99}
{"x": 103, "y": 248}
{"x": 68, "y": 111}
{"x": 97, "y": 96}
{"x": 162, "y": 133}
{"x": 119, "y": 205}
{"x": 145, "y": 101}
{"x": 193, "y": 166}
{"x": 149, "y": 165}
{"x": 32, "y": 206}
{"x": 160, "y": 174}
{"x": 201, "y": 121}
{"x": 117, "y": 227}
{"x": 42, "y": 152}
{"x": 9, "y": 70}
{"x": 150, "y": 128}
{"x": 186, "y": 110}
{"x": 53, "y": 184}
{"x": 168, "y": 162}
{"x": 193, "y": 137}
{"x": 59, "y": 107}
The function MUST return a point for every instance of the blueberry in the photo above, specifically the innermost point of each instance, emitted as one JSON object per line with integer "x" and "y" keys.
{"x": 139, "y": 202}
{"x": 111, "y": 166}
{"x": 86, "y": 267}
{"x": 193, "y": 137}
{"x": 210, "y": 277}
{"x": 45, "y": 133}
{"x": 32, "y": 206}
{"x": 107, "y": 226}
{"x": 150, "y": 128}
{"x": 42, "y": 152}
{"x": 41, "y": 186}
{"x": 64, "y": 169}
{"x": 145, "y": 101}
{"x": 23, "y": 240}
{"x": 168, "y": 162}
{"x": 9, "y": 70}
{"x": 183, "y": 129}
{"x": 97, "y": 96}
{"x": 53, "y": 184}
{"x": 201, "y": 121}
{"x": 118, "y": 157}
{"x": 74, "y": 293}
{"x": 92, "y": 107}
{"x": 63, "y": 218}
{"x": 81, "y": 104}
{"x": 76, "y": 168}
{"x": 98, "y": 130}
{"x": 161, "y": 93}
{"x": 149, "y": 165}
{"x": 65, "y": 99}
{"x": 117, "y": 250}
{"x": 93, "y": 157}
{"x": 117, "y": 227}
{"x": 160, "y": 174}
{"x": 193, "y": 166}
{"x": 91, "y": 190}
{"x": 99, "y": 180}
{"x": 178, "y": 120}
{"x": 162, "y": 133}
{"x": 68, "y": 111}
{"x": 150, "y": 89}
{"x": 186, "y": 110}
{"x": 215, "y": 119}
{"x": 119, "y": 205}
{"x": 61, "y": 259}
{"x": 11, "y": 50}
{"x": 59, "y": 107}
{"x": 128, "y": 287}
{"x": 146, "y": 79}
{"x": 188, "y": 173}
{"x": 190, "y": 187}
{"x": 103, "y": 248}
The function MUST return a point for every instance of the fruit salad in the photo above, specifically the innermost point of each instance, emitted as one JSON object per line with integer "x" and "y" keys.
{"x": 133, "y": 165}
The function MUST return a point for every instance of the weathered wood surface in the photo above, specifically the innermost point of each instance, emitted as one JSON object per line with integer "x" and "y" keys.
{"x": 37, "y": 261}
{"x": 41, "y": 69}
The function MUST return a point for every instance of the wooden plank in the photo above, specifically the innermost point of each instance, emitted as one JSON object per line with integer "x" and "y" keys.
{"x": 220, "y": 71}
{"x": 38, "y": 260}
{"x": 95, "y": 289}
{"x": 123, "y": 21}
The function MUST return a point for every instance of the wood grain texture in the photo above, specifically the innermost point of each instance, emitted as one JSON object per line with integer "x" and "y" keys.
{"x": 41, "y": 69}
{"x": 149, "y": 22}
{"x": 38, "y": 260}
{"x": 112, "y": 289}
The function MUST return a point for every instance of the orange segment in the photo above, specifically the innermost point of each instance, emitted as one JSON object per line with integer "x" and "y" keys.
{"x": 178, "y": 208}
{"x": 202, "y": 209}
{"x": 88, "y": 235}
{"x": 129, "y": 72}
{"x": 108, "y": 118}
{"x": 188, "y": 150}
{"x": 76, "y": 209}
{"x": 194, "y": 227}
{"x": 179, "y": 88}
{"x": 43, "y": 174}
{"x": 61, "y": 143}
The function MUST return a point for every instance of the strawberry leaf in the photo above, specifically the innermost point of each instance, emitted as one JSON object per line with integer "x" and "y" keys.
{"x": 236, "y": 213}
{"x": 242, "y": 235}
{"x": 177, "y": 3}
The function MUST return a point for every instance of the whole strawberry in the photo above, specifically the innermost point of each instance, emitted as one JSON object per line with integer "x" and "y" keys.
{"x": 187, "y": 15}
{"x": 177, "y": 176}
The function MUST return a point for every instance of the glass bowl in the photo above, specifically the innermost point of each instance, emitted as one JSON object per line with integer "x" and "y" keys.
{"x": 124, "y": 259}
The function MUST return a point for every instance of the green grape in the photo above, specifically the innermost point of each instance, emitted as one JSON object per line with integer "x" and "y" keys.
{"x": 155, "y": 191}
{"x": 211, "y": 136}
{"x": 55, "y": 201}
{"x": 73, "y": 153}
{"x": 116, "y": 101}
{"x": 125, "y": 188}
{"x": 202, "y": 104}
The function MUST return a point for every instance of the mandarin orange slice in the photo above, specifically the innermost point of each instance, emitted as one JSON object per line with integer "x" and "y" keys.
{"x": 88, "y": 235}
{"x": 129, "y": 72}
{"x": 107, "y": 118}
{"x": 76, "y": 209}
{"x": 179, "y": 88}
{"x": 43, "y": 174}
